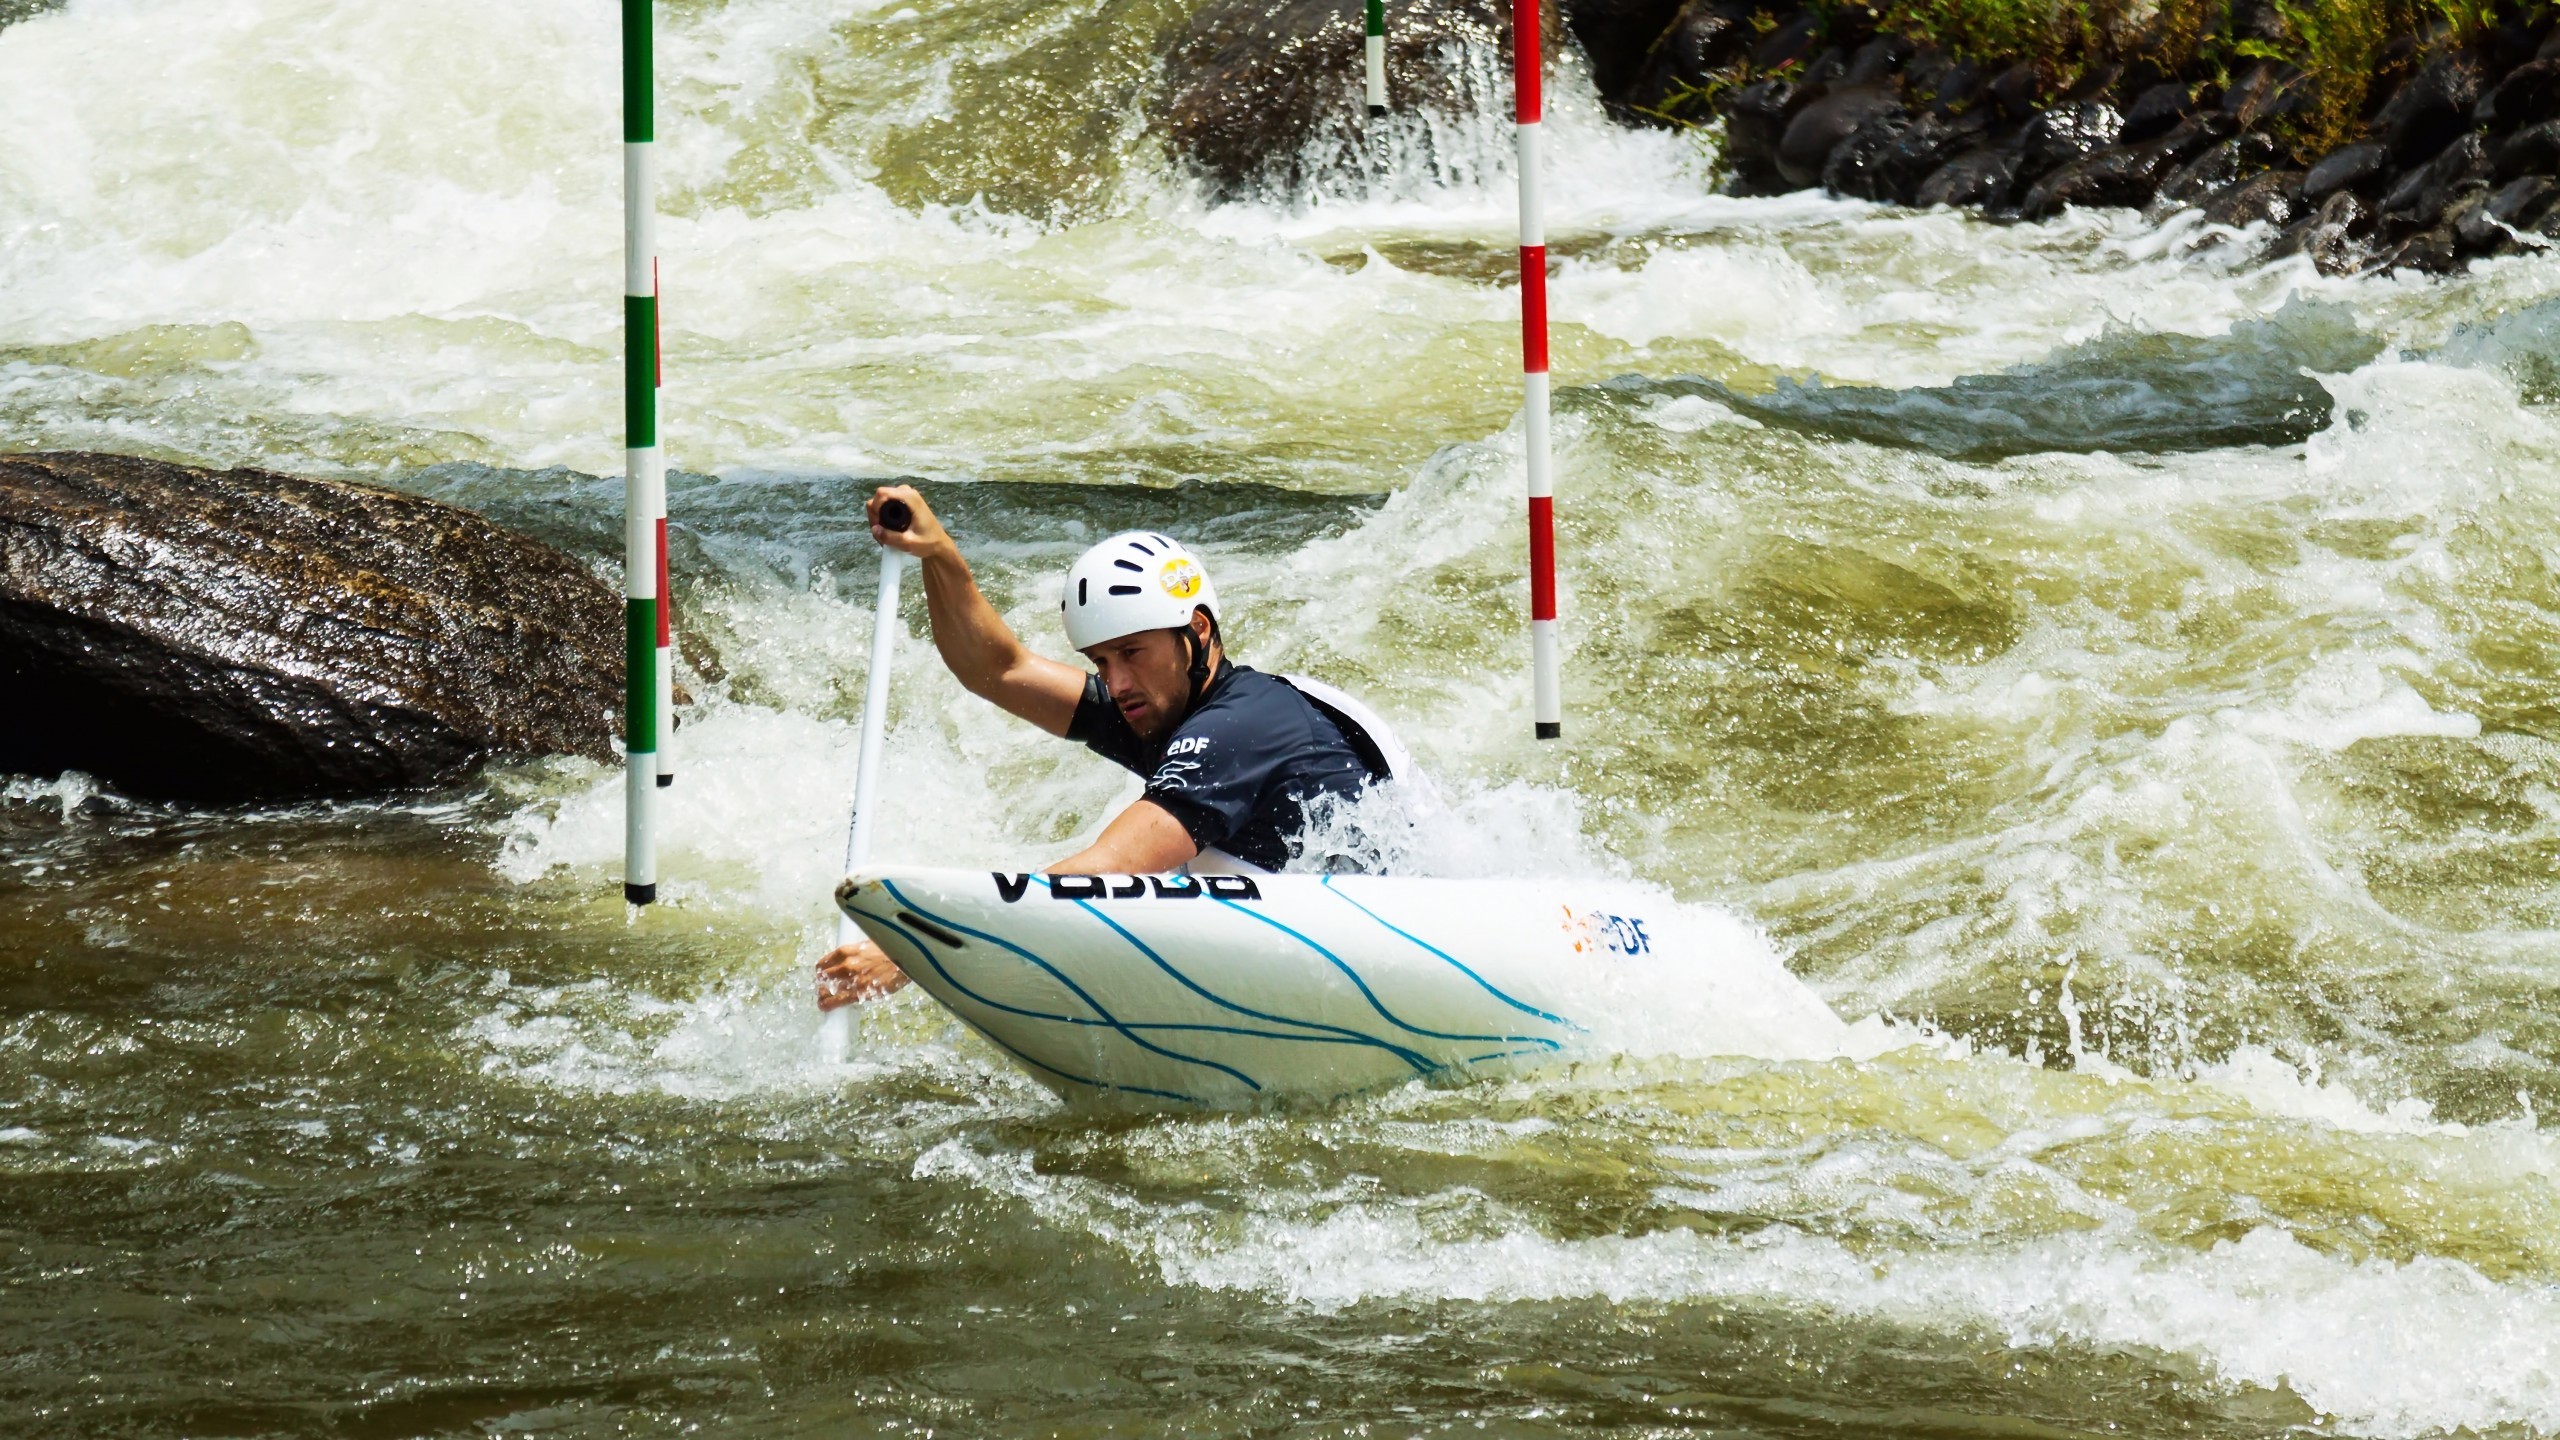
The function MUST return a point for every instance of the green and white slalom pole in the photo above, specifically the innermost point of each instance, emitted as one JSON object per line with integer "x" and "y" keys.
{"x": 1377, "y": 48}
{"x": 644, "y": 495}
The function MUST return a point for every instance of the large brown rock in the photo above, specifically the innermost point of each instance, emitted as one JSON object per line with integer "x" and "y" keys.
{"x": 237, "y": 635}
{"x": 1268, "y": 92}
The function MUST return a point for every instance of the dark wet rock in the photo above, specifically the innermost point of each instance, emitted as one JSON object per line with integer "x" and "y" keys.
{"x": 2474, "y": 229}
{"x": 1754, "y": 123}
{"x": 2333, "y": 236}
{"x": 2235, "y": 159}
{"x": 1878, "y": 61}
{"x": 2095, "y": 83}
{"x": 2531, "y": 151}
{"x": 2014, "y": 91}
{"x": 2528, "y": 96}
{"x": 1856, "y": 164}
{"x": 1983, "y": 177}
{"x": 1792, "y": 41}
{"x": 1249, "y": 84}
{"x": 2268, "y": 199}
{"x": 2154, "y": 111}
{"x": 2245, "y": 101}
{"x": 1616, "y": 36}
{"x": 1949, "y": 91}
{"x": 2195, "y": 135}
{"x": 2260, "y": 20}
{"x": 2421, "y": 195}
{"x": 1820, "y": 127}
{"x": 2517, "y": 40}
{"x": 2117, "y": 175}
{"x": 2432, "y": 252}
{"x": 2433, "y": 107}
{"x": 1828, "y": 68}
{"x": 2066, "y": 133}
{"x": 2360, "y": 168}
{"x": 1893, "y": 152}
{"x": 2522, "y": 202}
{"x": 243, "y": 635}
{"x": 2263, "y": 93}
{"x": 1926, "y": 72}
{"x": 1702, "y": 40}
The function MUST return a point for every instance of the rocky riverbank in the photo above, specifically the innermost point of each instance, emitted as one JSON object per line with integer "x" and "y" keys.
{"x": 2365, "y": 137}
{"x": 2445, "y": 150}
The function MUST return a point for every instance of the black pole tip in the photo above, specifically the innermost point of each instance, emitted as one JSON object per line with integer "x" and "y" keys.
{"x": 639, "y": 894}
{"x": 896, "y": 515}
{"x": 1377, "y": 110}
{"x": 1550, "y": 730}
{"x": 666, "y": 780}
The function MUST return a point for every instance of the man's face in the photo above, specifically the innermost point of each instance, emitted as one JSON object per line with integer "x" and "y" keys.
{"x": 1149, "y": 677}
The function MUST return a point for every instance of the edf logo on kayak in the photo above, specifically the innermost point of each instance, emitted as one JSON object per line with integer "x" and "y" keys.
{"x": 1617, "y": 934}
{"x": 1129, "y": 887}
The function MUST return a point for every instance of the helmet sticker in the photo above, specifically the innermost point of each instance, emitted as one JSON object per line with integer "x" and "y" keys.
{"x": 1180, "y": 577}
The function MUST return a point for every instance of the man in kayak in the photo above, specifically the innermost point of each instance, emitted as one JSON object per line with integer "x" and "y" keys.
{"x": 1233, "y": 758}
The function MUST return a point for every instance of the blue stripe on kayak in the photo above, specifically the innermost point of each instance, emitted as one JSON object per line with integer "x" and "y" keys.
{"x": 1330, "y": 1034}
{"x": 1507, "y": 1054}
{"x": 1341, "y": 1037}
{"x": 1490, "y": 988}
{"x": 999, "y": 1042}
{"x": 1374, "y": 1003}
{"x": 1060, "y": 976}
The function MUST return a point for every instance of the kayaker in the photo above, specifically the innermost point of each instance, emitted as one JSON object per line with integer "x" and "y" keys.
{"x": 1233, "y": 758}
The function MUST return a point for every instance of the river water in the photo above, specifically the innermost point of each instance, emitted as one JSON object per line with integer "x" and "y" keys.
{"x": 2125, "y": 667}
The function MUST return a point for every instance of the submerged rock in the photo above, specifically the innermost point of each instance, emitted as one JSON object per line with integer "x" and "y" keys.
{"x": 240, "y": 635}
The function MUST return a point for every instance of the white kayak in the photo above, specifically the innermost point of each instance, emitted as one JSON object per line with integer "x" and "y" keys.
{"x": 1228, "y": 990}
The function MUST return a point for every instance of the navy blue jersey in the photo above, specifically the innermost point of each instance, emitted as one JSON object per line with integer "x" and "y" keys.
{"x": 1240, "y": 770}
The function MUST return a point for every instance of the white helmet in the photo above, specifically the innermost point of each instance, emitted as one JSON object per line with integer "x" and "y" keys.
{"x": 1136, "y": 580}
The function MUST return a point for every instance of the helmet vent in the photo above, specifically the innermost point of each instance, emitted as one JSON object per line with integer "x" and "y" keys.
{"x": 1080, "y": 595}
{"x": 1126, "y": 590}
{"x": 1141, "y": 547}
{"x": 1130, "y": 565}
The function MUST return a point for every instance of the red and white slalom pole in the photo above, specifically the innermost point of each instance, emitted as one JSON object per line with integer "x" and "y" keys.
{"x": 1545, "y": 662}
{"x": 666, "y": 593}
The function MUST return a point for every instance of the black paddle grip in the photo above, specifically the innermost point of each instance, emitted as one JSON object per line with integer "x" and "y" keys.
{"x": 896, "y": 515}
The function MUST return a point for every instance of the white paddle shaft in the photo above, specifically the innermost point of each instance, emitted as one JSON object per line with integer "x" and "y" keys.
{"x": 875, "y": 720}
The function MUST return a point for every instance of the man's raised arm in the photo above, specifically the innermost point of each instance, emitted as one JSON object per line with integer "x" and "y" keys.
{"x": 981, "y": 650}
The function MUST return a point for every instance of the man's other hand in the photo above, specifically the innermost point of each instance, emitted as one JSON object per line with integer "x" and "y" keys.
{"x": 856, "y": 972}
